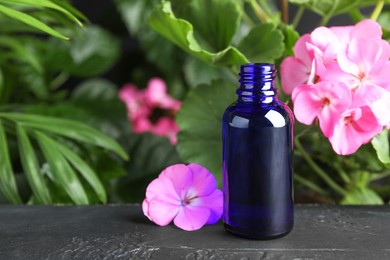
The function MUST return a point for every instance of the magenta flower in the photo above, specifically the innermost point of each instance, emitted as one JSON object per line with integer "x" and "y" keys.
{"x": 142, "y": 106}
{"x": 186, "y": 194}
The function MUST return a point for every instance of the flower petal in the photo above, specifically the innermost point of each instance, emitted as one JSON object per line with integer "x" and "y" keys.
{"x": 134, "y": 100}
{"x": 192, "y": 217}
{"x": 380, "y": 76}
{"x": 378, "y": 107}
{"x": 368, "y": 29}
{"x": 345, "y": 139}
{"x": 180, "y": 176}
{"x": 301, "y": 52}
{"x": 215, "y": 203}
{"x": 145, "y": 208}
{"x": 166, "y": 126}
{"x": 307, "y": 104}
{"x": 156, "y": 95}
{"x": 326, "y": 41}
{"x": 354, "y": 128}
{"x": 163, "y": 188}
{"x": 161, "y": 211}
{"x": 204, "y": 183}
{"x": 343, "y": 33}
{"x": 293, "y": 73}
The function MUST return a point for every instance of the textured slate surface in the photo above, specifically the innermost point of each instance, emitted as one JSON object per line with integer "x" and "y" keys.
{"x": 122, "y": 232}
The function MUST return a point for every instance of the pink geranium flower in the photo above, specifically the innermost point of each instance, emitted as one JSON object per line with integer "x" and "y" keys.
{"x": 354, "y": 128}
{"x": 364, "y": 67}
{"x": 142, "y": 104}
{"x": 348, "y": 87}
{"x": 325, "y": 100}
{"x": 188, "y": 195}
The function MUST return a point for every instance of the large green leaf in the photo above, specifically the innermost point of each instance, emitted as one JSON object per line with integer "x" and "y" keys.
{"x": 214, "y": 22}
{"x": 199, "y": 120}
{"x": 264, "y": 43}
{"x": 64, "y": 176}
{"x": 381, "y": 145}
{"x": 7, "y": 180}
{"x": 333, "y": 7}
{"x": 210, "y": 39}
{"x": 68, "y": 128}
{"x": 31, "y": 21}
{"x": 31, "y": 167}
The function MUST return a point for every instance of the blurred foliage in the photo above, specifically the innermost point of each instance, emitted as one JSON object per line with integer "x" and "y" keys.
{"x": 47, "y": 152}
{"x": 61, "y": 121}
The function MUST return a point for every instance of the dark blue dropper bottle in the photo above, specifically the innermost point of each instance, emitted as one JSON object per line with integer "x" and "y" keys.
{"x": 257, "y": 158}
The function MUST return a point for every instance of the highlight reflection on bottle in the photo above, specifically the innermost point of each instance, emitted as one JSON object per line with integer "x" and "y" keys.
{"x": 257, "y": 135}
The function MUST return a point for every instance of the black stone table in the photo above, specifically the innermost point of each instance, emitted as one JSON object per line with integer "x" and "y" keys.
{"x": 122, "y": 232}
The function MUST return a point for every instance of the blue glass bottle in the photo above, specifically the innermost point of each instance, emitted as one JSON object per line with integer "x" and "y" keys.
{"x": 257, "y": 158}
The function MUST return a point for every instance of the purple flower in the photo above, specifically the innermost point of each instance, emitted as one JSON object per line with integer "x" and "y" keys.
{"x": 186, "y": 194}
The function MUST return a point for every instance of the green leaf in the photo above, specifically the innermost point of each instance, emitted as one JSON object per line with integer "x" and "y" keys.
{"x": 194, "y": 67}
{"x": 147, "y": 148}
{"x": 264, "y": 43}
{"x": 84, "y": 169}
{"x": 64, "y": 175}
{"x": 68, "y": 128}
{"x": 44, "y": 3}
{"x": 23, "y": 51}
{"x": 384, "y": 21}
{"x": 7, "y": 180}
{"x": 68, "y": 6}
{"x": 183, "y": 34}
{"x": 31, "y": 167}
{"x": 31, "y": 21}
{"x": 95, "y": 89}
{"x": 2, "y": 85}
{"x": 381, "y": 145}
{"x": 91, "y": 51}
{"x": 214, "y": 22}
{"x": 133, "y": 13}
{"x": 199, "y": 120}
{"x": 358, "y": 196}
{"x": 290, "y": 38}
{"x": 333, "y": 7}
{"x": 94, "y": 102}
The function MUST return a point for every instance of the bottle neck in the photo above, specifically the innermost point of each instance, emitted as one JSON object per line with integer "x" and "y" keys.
{"x": 257, "y": 84}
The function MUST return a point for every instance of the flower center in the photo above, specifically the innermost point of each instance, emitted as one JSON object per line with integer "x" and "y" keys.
{"x": 361, "y": 76}
{"x": 187, "y": 200}
{"x": 157, "y": 113}
{"x": 326, "y": 101}
{"x": 348, "y": 119}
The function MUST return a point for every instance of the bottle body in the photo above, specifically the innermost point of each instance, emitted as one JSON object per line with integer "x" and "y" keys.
{"x": 257, "y": 166}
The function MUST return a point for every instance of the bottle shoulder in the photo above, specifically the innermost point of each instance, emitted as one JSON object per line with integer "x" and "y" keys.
{"x": 276, "y": 114}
